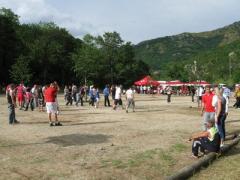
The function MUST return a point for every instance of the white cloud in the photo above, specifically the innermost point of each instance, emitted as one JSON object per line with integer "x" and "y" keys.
{"x": 135, "y": 20}
{"x": 34, "y": 11}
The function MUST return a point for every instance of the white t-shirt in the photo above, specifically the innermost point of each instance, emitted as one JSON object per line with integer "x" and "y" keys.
{"x": 130, "y": 94}
{"x": 118, "y": 93}
{"x": 199, "y": 91}
{"x": 215, "y": 101}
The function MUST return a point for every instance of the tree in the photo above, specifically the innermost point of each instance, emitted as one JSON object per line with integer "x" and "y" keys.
{"x": 10, "y": 45}
{"x": 20, "y": 71}
{"x": 87, "y": 60}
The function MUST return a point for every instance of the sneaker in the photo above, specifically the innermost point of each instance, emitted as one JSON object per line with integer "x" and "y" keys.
{"x": 58, "y": 124}
{"x": 51, "y": 124}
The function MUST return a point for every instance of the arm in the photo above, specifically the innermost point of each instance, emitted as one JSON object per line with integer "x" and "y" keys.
{"x": 199, "y": 135}
{"x": 219, "y": 108}
{"x": 227, "y": 102}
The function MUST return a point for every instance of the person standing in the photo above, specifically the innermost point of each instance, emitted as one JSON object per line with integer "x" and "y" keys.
{"x": 237, "y": 96}
{"x": 199, "y": 93}
{"x": 118, "y": 99}
{"x": 193, "y": 91}
{"x": 106, "y": 93}
{"x": 169, "y": 93}
{"x": 74, "y": 92}
{"x": 208, "y": 110}
{"x": 29, "y": 100}
{"x": 69, "y": 96}
{"x": 51, "y": 106}
{"x": 11, "y": 99}
{"x": 97, "y": 98}
{"x": 20, "y": 95}
{"x": 130, "y": 99}
{"x": 34, "y": 92}
{"x": 65, "y": 91}
{"x": 221, "y": 112}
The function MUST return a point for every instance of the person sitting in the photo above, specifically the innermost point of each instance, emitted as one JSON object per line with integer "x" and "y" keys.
{"x": 206, "y": 141}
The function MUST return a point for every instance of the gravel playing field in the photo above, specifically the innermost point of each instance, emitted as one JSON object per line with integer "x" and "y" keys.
{"x": 102, "y": 143}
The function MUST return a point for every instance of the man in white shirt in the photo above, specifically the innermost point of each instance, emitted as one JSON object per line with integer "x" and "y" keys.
{"x": 199, "y": 94}
{"x": 118, "y": 97}
{"x": 130, "y": 99}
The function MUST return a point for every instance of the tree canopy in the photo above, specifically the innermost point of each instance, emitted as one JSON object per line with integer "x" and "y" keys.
{"x": 43, "y": 52}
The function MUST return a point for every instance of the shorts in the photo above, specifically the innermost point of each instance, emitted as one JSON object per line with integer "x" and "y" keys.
{"x": 208, "y": 116}
{"x": 118, "y": 101}
{"x": 200, "y": 98}
{"x": 51, "y": 107}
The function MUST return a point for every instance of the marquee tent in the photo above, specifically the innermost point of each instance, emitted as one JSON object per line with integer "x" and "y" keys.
{"x": 146, "y": 81}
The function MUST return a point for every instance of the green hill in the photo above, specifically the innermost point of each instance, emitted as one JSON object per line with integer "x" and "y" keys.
{"x": 169, "y": 54}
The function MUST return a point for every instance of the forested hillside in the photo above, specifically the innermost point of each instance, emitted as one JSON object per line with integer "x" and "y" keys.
{"x": 216, "y": 54}
{"x": 43, "y": 52}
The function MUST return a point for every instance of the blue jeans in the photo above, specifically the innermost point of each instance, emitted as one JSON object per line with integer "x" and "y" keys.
{"x": 221, "y": 126}
{"x": 11, "y": 109}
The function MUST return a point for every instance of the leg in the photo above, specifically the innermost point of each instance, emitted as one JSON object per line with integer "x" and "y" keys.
{"x": 195, "y": 147}
{"x": 27, "y": 106}
{"x": 108, "y": 102}
{"x": 11, "y": 115}
{"x": 81, "y": 99}
{"x": 133, "y": 104}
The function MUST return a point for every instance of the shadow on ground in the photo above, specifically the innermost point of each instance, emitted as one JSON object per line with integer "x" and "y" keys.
{"x": 232, "y": 121}
{"x": 78, "y": 139}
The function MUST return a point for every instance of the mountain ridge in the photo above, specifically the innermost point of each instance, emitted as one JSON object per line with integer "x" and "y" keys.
{"x": 184, "y": 48}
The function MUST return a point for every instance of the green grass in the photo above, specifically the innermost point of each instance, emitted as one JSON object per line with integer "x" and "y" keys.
{"x": 155, "y": 162}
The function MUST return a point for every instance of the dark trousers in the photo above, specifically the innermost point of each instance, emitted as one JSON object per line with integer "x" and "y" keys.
{"x": 69, "y": 100}
{"x": 91, "y": 101}
{"x": 221, "y": 126}
{"x": 192, "y": 97}
{"x": 169, "y": 98}
{"x": 75, "y": 97}
{"x": 31, "y": 105}
{"x": 203, "y": 144}
{"x": 106, "y": 101}
{"x": 80, "y": 99}
{"x": 12, "y": 117}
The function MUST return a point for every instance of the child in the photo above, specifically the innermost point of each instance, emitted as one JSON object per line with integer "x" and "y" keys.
{"x": 207, "y": 140}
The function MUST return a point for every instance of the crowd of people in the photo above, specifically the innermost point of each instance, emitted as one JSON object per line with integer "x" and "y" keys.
{"x": 45, "y": 98}
{"x": 214, "y": 106}
{"x": 214, "y": 111}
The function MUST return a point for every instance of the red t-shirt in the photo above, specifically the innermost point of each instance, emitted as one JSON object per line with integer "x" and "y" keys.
{"x": 50, "y": 94}
{"x": 20, "y": 90}
{"x": 207, "y": 101}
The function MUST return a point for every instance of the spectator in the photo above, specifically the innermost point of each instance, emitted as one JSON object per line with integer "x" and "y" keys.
{"x": 205, "y": 141}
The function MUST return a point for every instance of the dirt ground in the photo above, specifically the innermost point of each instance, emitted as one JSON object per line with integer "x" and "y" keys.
{"x": 102, "y": 143}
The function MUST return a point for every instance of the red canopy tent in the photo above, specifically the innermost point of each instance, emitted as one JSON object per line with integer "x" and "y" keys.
{"x": 146, "y": 81}
{"x": 198, "y": 83}
{"x": 175, "y": 83}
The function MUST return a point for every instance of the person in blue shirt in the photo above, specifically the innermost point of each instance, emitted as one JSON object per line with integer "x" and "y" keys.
{"x": 106, "y": 92}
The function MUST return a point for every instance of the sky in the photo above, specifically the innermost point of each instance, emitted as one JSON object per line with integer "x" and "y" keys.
{"x": 135, "y": 20}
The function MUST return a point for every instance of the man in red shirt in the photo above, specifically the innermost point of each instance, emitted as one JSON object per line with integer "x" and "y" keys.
{"x": 208, "y": 111}
{"x": 51, "y": 105}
